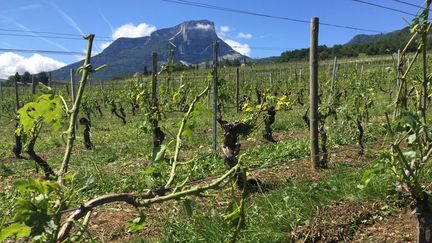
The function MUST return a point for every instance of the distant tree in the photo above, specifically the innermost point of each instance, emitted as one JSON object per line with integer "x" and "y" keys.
{"x": 236, "y": 63}
{"x": 371, "y": 45}
{"x": 146, "y": 72}
{"x": 10, "y": 81}
{"x": 43, "y": 78}
{"x": 17, "y": 77}
{"x": 26, "y": 78}
{"x": 232, "y": 63}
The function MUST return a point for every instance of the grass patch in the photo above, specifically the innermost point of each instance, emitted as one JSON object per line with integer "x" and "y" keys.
{"x": 271, "y": 217}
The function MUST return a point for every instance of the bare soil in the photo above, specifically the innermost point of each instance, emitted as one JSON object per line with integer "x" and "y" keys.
{"x": 400, "y": 227}
{"x": 337, "y": 222}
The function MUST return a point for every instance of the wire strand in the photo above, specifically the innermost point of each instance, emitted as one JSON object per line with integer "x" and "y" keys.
{"x": 409, "y": 4}
{"x": 214, "y": 7}
{"x": 384, "y": 7}
{"x": 43, "y": 51}
{"x": 52, "y": 33}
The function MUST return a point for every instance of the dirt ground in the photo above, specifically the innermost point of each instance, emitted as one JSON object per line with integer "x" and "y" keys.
{"x": 339, "y": 222}
{"x": 400, "y": 227}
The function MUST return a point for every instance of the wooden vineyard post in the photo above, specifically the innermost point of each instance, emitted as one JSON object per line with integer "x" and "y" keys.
{"x": 270, "y": 80}
{"x": 154, "y": 79}
{"x": 1, "y": 91}
{"x": 208, "y": 94}
{"x": 334, "y": 73}
{"x": 300, "y": 75}
{"x": 33, "y": 85}
{"x": 102, "y": 88}
{"x": 313, "y": 62}
{"x": 17, "y": 106}
{"x": 170, "y": 63}
{"x": 425, "y": 83}
{"x": 398, "y": 86}
{"x": 237, "y": 89}
{"x": 398, "y": 72}
{"x": 49, "y": 79}
{"x": 215, "y": 93}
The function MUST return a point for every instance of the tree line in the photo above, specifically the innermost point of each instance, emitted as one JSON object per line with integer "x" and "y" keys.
{"x": 369, "y": 45}
{"x": 26, "y": 78}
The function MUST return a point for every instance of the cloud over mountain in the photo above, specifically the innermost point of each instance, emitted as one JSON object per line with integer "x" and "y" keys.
{"x": 130, "y": 31}
{"x": 133, "y": 31}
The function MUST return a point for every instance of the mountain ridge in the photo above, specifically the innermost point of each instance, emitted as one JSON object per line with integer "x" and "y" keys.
{"x": 126, "y": 56}
{"x": 364, "y": 38}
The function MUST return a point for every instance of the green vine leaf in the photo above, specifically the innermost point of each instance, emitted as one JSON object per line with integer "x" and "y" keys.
{"x": 136, "y": 224}
{"x": 158, "y": 153}
{"x": 46, "y": 109}
{"x": 18, "y": 230}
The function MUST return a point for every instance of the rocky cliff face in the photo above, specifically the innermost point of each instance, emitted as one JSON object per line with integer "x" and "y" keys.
{"x": 125, "y": 56}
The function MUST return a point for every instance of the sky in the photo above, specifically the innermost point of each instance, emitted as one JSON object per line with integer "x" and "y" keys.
{"x": 254, "y": 36}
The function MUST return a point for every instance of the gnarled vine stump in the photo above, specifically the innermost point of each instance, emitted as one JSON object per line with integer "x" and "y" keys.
{"x": 87, "y": 141}
{"x": 231, "y": 147}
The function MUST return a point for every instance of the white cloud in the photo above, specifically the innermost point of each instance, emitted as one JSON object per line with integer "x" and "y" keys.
{"x": 203, "y": 26}
{"x": 225, "y": 29}
{"x": 130, "y": 31}
{"x": 105, "y": 44}
{"x": 133, "y": 31}
{"x": 243, "y": 49}
{"x": 10, "y": 63}
{"x": 246, "y": 36}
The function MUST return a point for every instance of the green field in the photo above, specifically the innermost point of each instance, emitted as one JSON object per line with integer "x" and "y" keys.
{"x": 290, "y": 199}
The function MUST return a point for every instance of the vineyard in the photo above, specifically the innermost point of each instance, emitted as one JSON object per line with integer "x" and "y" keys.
{"x": 223, "y": 154}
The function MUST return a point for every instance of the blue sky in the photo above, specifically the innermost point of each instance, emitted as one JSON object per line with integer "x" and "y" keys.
{"x": 108, "y": 18}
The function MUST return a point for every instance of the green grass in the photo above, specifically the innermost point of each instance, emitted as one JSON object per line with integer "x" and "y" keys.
{"x": 273, "y": 215}
{"x": 121, "y": 160}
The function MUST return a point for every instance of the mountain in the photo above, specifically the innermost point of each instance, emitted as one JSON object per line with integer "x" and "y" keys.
{"x": 397, "y": 35}
{"x": 380, "y": 44}
{"x": 363, "y": 39}
{"x": 126, "y": 56}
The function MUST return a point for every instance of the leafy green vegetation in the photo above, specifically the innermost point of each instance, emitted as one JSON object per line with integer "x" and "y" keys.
{"x": 370, "y": 45}
{"x": 181, "y": 189}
